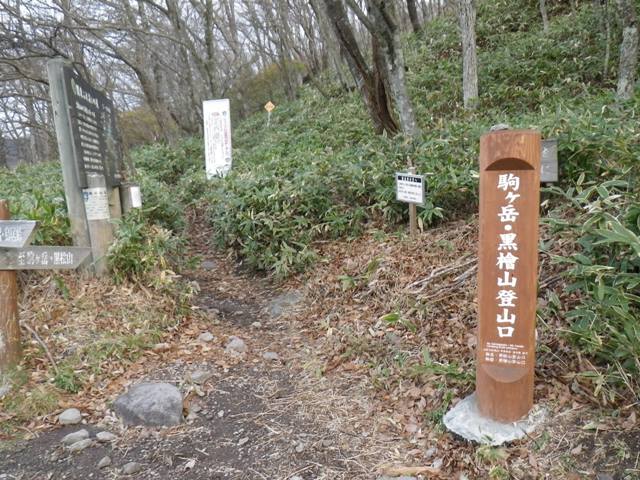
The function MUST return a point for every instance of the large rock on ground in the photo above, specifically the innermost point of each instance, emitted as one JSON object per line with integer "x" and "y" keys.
{"x": 151, "y": 404}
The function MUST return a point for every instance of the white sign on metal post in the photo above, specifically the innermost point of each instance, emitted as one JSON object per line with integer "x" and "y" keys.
{"x": 410, "y": 188}
{"x": 217, "y": 137}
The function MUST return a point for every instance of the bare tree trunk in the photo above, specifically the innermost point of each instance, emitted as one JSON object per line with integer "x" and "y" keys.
{"x": 413, "y": 16}
{"x": 388, "y": 31}
{"x": 333, "y": 48}
{"x": 373, "y": 92}
{"x": 607, "y": 48}
{"x": 467, "y": 17}
{"x": 3, "y": 152}
{"x": 628, "y": 50}
{"x": 543, "y": 14}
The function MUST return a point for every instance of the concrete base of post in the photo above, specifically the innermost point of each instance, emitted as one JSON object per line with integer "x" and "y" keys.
{"x": 466, "y": 420}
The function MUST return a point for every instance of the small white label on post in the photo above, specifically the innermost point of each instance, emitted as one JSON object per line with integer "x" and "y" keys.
{"x": 96, "y": 203}
{"x": 410, "y": 188}
{"x": 136, "y": 196}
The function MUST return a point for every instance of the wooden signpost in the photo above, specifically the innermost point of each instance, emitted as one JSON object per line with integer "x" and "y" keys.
{"x": 15, "y": 254}
{"x": 91, "y": 158}
{"x": 507, "y": 273}
{"x": 410, "y": 188}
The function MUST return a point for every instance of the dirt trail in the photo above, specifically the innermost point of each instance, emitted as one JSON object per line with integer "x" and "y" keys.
{"x": 253, "y": 418}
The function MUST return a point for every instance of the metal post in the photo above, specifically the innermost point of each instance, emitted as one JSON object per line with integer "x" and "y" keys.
{"x": 10, "y": 349}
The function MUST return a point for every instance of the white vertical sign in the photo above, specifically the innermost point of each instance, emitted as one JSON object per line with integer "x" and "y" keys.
{"x": 217, "y": 137}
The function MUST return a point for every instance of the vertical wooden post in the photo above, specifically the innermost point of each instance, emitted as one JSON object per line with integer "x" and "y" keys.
{"x": 100, "y": 229}
{"x": 413, "y": 212}
{"x": 72, "y": 191}
{"x": 507, "y": 275}
{"x": 10, "y": 349}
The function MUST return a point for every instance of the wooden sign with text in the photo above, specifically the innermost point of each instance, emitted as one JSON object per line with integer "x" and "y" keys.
{"x": 43, "y": 258}
{"x": 507, "y": 274}
{"x": 96, "y": 143}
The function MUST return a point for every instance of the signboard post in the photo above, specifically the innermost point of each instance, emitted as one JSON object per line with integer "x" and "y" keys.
{"x": 10, "y": 350}
{"x": 507, "y": 272}
{"x": 217, "y": 137}
{"x": 16, "y": 255}
{"x": 410, "y": 189}
{"x": 91, "y": 157}
{"x": 269, "y": 106}
{"x": 501, "y": 408}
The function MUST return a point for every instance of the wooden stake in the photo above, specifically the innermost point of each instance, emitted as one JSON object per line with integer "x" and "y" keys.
{"x": 10, "y": 349}
{"x": 507, "y": 272}
{"x": 100, "y": 229}
{"x": 413, "y": 212}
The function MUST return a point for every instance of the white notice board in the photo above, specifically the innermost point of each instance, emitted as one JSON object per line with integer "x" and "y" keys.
{"x": 217, "y": 137}
{"x": 410, "y": 188}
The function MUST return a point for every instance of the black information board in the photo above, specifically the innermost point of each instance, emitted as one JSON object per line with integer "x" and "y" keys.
{"x": 96, "y": 143}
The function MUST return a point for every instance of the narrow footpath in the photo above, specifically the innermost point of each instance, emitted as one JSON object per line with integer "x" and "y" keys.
{"x": 256, "y": 407}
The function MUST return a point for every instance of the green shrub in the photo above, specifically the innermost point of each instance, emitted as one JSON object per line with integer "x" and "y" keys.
{"x": 604, "y": 271}
{"x": 143, "y": 251}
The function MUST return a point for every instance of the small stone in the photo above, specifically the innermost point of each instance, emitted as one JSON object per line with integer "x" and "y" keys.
{"x": 106, "y": 437}
{"x": 430, "y": 452}
{"x": 256, "y": 325}
{"x": 437, "y": 463}
{"x": 201, "y": 376}
{"x": 71, "y": 416}
{"x": 235, "y": 345}
{"x": 192, "y": 416}
{"x": 80, "y": 445}
{"x": 131, "y": 468}
{"x": 221, "y": 413}
{"x": 195, "y": 408}
{"x": 206, "y": 337}
{"x": 499, "y": 126}
{"x": 243, "y": 441}
{"x": 208, "y": 265}
{"x": 273, "y": 356}
{"x": 105, "y": 462}
{"x": 300, "y": 447}
{"x": 326, "y": 443}
{"x": 604, "y": 476}
{"x": 283, "y": 303}
{"x": 74, "y": 437}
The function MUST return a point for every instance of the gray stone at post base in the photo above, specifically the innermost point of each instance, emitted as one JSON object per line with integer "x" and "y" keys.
{"x": 151, "y": 404}
{"x": 465, "y": 420}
